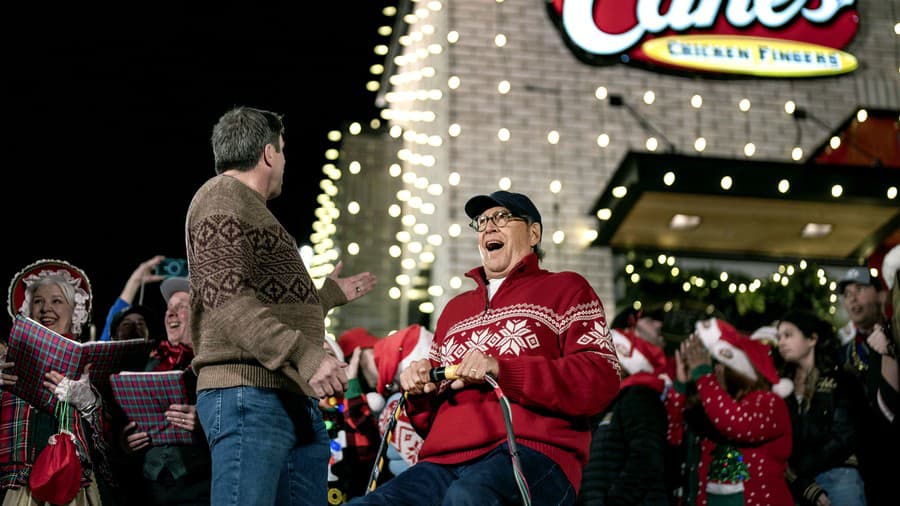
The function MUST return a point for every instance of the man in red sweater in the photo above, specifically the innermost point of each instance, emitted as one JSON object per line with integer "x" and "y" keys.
{"x": 545, "y": 339}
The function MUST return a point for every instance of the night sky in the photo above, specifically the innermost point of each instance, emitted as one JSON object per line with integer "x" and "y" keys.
{"x": 109, "y": 110}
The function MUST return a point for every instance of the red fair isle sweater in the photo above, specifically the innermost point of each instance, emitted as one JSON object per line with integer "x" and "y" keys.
{"x": 558, "y": 367}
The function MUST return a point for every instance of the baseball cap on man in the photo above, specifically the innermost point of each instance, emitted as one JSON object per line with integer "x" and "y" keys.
{"x": 517, "y": 203}
{"x": 174, "y": 284}
{"x": 860, "y": 276}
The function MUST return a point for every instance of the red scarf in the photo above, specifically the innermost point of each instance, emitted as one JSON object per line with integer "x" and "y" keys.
{"x": 172, "y": 356}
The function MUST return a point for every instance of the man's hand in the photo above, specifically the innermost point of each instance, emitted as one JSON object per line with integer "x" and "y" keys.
{"x": 134, "y": 441}
{"x": 414, "y": 379}
{"x": 78, "y": 393}
{"x": 877, "y": 340}
{"x": 183, "y": 416}
{"x": 473, "y": 367}
{"x": 330, "y": 378}
{"x": 823, "y": 500}
{"x": 354, "y": 286}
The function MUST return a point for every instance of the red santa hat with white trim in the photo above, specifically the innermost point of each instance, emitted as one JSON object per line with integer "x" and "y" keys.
{"x": 395, "y": 352}
{"x": 637, "y": 355}
{"x": 766, "y": 334}
{"x": 748, "y": 357}
{"x": 354, "y": 338}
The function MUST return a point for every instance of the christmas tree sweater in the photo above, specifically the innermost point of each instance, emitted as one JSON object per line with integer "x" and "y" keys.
{"x": 759, "y": 427}
{"x": 557, "y": 367}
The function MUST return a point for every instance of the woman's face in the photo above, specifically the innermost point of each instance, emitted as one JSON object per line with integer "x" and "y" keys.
{"x": 50, "y": 307}
{"x": 793, "y": 345}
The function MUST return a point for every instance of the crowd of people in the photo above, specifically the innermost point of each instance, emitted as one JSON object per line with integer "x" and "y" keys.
{"x": 523, "y": 394}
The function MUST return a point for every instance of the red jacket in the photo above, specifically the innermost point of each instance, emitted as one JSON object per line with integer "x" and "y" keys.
{"x": 558, "y": 367}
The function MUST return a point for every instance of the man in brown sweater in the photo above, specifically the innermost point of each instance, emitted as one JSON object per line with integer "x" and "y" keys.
{"x": 257, "y": 322}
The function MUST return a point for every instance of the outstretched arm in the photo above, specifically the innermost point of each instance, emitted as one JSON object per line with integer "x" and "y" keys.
{"x": 142, "y": 274}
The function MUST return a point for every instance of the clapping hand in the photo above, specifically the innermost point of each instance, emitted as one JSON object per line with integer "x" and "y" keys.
{"x": 694, "y": 353}
{"x": 353, "y": 366}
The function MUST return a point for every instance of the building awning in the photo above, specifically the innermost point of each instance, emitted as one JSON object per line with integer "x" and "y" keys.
{"x": 747, "y": 209}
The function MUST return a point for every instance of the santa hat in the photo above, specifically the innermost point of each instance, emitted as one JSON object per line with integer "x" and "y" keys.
{"x": 890, "y": 265}
{"x": 712, "y": 329}
{"x": 748, "y": 357}
{"x": 395, "y": 352}
{"x": 767, "y": 335}
{"x": 637, "y": 355}
{"x": 354, "y": 338}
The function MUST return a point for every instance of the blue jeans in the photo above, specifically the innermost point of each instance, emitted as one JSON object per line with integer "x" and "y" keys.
{"x": 256, "y": 459}
{"x": 486, "y": 481}
{"x": 843, "y": 485}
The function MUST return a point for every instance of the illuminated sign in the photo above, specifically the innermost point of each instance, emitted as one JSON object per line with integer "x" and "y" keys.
{"x": 748, "y": 55}
{"x": 776, "y": 38}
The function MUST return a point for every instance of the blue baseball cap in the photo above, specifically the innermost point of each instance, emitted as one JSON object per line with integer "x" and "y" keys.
{"x": 860, "y": 276}
{"x": 517, "y": 203}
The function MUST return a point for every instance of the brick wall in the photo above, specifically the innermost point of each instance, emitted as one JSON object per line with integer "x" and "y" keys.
{"x": 550, "y": 90}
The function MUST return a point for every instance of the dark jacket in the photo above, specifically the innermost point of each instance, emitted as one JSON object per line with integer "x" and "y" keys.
{"x": 825, "y": 431}
{"x": 625, "y": 465}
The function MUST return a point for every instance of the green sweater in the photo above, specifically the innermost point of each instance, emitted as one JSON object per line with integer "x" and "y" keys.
{"x": 256, "y": 316}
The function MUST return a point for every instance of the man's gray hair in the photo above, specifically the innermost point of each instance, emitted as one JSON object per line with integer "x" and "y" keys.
{"x": 240, "y": 137}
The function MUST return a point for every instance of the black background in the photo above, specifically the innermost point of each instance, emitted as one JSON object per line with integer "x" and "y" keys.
{"x": 109, "y": 108}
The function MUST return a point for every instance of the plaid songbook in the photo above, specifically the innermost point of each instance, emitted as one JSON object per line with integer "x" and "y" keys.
{"x": 37, "y": 350}
{"x": 145, "y": 397}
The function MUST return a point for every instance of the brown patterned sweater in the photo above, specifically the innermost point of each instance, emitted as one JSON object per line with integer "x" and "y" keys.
{"x": 256, "y": 316}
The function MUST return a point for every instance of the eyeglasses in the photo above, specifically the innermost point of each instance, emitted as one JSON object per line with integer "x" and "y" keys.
{"x": 500, "y": 218}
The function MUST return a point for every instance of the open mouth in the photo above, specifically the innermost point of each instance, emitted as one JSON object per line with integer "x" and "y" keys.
{"x": 493, "y": 245}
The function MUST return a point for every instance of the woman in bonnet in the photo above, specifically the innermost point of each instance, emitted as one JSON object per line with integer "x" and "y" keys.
{"x": 57, "y": 295}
